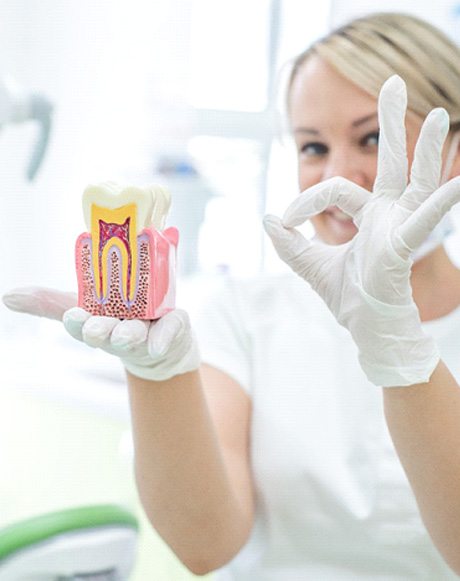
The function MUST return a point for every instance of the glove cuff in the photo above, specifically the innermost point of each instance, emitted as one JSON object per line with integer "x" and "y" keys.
{"x": 166, "y": 368}
{"x": 401, "y": 375}
{"x": 393, "y": 348}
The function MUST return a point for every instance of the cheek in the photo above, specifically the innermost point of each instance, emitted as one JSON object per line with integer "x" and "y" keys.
{"x": 309, "y": 175}
{"x": 318, "y": 222}
{"x": 410, "y": 156}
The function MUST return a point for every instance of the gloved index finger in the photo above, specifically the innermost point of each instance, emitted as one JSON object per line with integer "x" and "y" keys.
{"x": 392, "y": 162}
{"x": 73, "y": 320}
{"x": 336, "y": 191}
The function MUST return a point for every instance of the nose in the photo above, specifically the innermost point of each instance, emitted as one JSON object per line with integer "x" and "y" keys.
{"x": 353, "y": 168}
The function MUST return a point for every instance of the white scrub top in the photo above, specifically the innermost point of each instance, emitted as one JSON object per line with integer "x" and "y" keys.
{"x": 333, "y": 502}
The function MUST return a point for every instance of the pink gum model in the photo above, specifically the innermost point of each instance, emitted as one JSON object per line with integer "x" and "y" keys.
{"x": 155, "y": 290}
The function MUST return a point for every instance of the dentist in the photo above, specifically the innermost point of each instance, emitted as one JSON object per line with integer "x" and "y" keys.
{"x": 317, "y": 436}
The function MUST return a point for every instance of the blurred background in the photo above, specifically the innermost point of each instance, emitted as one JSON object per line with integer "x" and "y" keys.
{"x": 185, "y": 93}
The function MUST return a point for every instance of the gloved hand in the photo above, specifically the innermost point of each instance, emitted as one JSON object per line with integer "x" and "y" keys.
{"x": 366, "y": 282}
{"x": 155, "y": 350}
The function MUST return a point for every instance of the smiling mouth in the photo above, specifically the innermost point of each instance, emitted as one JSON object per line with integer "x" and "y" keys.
{"x": 338, "y": 215}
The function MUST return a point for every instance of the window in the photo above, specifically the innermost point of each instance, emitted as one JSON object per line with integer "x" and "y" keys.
{"x": 235, "y": 60}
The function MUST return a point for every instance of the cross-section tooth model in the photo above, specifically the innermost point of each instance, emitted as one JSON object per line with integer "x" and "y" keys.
{"x": 126, "y": 261}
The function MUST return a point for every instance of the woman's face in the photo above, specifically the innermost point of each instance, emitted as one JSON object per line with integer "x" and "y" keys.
{"x": 335, "y": 127}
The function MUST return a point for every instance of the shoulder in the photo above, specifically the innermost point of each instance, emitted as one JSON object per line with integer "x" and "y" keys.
{"x": 265, "y": 289}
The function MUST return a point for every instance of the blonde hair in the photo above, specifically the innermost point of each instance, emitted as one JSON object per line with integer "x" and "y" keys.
{"x": 370, "y": 49}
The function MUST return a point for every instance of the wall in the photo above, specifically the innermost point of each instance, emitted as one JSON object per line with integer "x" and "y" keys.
{"x": 97, "y": 61}
{"x": 444, "y": 13}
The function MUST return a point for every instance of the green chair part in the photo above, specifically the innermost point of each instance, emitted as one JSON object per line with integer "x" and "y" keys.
{"x": 90, "y": 543}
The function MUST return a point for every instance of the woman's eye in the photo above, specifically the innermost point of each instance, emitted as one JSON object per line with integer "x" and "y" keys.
{"x": 313, "y": 149}
{"x": 371, "y": 139}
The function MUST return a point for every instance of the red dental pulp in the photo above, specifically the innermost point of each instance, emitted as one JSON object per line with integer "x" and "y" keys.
{"x": 108, "y": 230}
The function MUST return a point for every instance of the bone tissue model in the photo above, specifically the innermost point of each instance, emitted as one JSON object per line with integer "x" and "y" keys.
{"x": 126, "y": 261}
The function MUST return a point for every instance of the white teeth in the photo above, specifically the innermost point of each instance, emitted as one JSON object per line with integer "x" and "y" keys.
{"x": 341, "y": 216}
{"x": 152, "y": 203}
{"x": 161, "y": 204}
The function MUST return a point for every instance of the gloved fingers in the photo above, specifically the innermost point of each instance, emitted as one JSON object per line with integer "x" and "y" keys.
{"x": 128, "y": 335}
{"x": 40, "y": 301}
{"x": 96, "y": 331}
{"x": 336, "y": 191}
{"x": 302, "y": 255}
{"x": 166, "y": 330}
{"x": 392, "y": 163}
{"x": 423, "y": 220}
{"x": 426, "y": 167}
{"x": 73, "y": 320}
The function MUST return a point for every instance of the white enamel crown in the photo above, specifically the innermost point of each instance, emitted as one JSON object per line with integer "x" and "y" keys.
{"x": 152, "y": 202}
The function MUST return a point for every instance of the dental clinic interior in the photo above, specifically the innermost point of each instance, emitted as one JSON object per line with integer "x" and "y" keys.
{"x": 180, "y": 93}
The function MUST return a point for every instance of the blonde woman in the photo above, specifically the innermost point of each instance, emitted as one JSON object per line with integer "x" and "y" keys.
{"x": 269, "y": 458}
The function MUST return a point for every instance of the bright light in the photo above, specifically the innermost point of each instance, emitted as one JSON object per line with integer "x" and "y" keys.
{"x": 228, "y": 56}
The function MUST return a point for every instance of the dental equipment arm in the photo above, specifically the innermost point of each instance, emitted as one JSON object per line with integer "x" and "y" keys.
{"x": 40, "y": 111}
{"x": 17, "y": 106}
{"x": 366, "y": 282}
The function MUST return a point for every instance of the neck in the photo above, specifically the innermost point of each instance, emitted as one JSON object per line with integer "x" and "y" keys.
{"x": 435, "y": 284}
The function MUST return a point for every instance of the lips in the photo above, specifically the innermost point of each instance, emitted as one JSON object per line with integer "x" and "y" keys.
{"x": 338, "y": 214}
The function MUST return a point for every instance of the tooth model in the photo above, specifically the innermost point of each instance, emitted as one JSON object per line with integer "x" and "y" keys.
{"x": 126, "y": 261}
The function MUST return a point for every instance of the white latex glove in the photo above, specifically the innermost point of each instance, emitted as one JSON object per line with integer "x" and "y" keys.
{"x": 366, "y": 282}
{"x": 155, "y": 350}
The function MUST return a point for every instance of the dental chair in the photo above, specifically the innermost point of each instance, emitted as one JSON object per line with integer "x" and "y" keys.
{"x": 92, "y": 543}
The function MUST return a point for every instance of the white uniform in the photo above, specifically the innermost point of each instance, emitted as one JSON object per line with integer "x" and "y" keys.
{"x": 333, "y": 502}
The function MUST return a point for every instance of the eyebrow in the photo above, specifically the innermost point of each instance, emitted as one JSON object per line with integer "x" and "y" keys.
{"x": 356, "y": 123}
{"x": 365, "y": 119}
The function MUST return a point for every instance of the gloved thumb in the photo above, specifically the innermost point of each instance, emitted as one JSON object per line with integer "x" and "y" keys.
{"x": 288, "y": 242}
{"x": 40, "y": 301}
{"x": 280, "y": 236}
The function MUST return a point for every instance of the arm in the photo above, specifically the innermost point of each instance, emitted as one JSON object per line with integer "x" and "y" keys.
{"x": 191, "y": 429}
{"x": 424, "y": 422}
{"x": 366, "y": 285}
{"x": 192, "y": 464}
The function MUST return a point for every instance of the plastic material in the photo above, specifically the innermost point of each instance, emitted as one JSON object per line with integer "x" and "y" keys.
{"x": 90, "y": 542}
{"x": 126, "y": 263}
